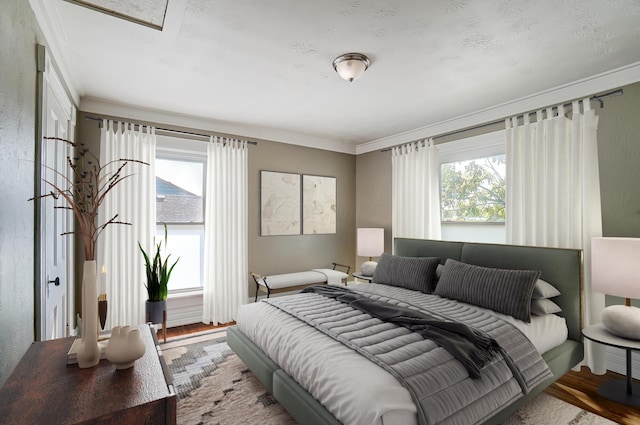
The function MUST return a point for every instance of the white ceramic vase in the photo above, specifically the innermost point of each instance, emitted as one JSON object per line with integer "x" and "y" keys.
{"x": 125, "y": 347}
{"x": 89, "y": 350}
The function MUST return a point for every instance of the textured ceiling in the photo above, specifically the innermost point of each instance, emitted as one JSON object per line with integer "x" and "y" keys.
{"x": 269, "y": 63}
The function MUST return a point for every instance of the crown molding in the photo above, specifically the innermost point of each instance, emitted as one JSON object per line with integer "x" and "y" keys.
{"x": 102, "y": 107}
{"x": 576, "y": 90}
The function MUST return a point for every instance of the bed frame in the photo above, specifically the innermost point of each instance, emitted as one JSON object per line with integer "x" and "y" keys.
{"x": 560, "y": 267}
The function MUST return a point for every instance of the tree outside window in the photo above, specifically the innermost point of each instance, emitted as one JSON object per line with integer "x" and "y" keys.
{"x": 474, "y": 190}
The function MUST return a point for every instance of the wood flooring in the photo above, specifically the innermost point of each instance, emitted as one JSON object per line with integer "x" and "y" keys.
{"x": 581, "y": 389}
{"x": 578, "y": 388}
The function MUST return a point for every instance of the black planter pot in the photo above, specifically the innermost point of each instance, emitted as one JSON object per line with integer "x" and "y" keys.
{"x": 154, "y": 311}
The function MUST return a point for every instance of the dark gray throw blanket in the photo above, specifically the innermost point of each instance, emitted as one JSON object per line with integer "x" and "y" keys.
{"x": 468, "y": 345}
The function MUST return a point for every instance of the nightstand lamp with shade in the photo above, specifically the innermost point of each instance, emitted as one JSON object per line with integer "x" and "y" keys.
{"x": 370, "y": 244}
{"x": 615, "y": 270}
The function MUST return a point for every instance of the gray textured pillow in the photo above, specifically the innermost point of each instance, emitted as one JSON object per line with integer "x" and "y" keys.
{"x": 543, "y": 289}
{"x": 543, "y": 306}
{"x": 416, "y": 273}
{"x": 501, "y": 290}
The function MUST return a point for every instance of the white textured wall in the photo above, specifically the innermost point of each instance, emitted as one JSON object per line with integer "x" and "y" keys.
{"x": 18, "y": 38}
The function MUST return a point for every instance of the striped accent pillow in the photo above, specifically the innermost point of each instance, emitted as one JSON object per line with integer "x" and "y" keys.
{"x": 501, "y": 290}
{"x": 415, "y": 273}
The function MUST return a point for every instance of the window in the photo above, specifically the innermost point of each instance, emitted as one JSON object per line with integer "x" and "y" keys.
{"x": 180, "y": 187}
{"x": 473, "y": 188}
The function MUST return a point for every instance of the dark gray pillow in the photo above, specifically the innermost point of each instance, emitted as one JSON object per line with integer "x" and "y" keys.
{"x": 501, "y": 290}
{"x": 416, "y": 273}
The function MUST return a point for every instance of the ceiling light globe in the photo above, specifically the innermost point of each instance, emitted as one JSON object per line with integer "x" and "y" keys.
{"x": 351, "y": 66}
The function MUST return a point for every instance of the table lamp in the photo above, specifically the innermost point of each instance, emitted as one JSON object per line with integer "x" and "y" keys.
{"x": 615, "y": 270}
{"x": 370, "y": 244}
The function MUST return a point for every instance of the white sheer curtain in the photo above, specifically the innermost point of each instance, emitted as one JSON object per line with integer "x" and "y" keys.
{"x": 416, "y": 191}
{"x": 133, "y": 200}
{"x": 225, "y": 253}
{"x": 553, "y": 193}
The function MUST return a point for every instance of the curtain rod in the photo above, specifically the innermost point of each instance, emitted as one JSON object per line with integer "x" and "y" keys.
{"x": 168, "y": 130}
{"x": 598, "y": 98}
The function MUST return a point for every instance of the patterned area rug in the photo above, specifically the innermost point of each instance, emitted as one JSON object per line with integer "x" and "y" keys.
{"x": 215, "y": 387}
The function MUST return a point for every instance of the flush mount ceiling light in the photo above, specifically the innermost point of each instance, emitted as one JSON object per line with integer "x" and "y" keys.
{"x": 351, "y": 66}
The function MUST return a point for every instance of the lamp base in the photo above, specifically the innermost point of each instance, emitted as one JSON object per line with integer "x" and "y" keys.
{"x": 367, "y": 268}
{"x": 622, "y": 321}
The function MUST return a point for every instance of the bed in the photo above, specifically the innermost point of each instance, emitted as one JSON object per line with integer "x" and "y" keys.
{"x": 560, "y": 267}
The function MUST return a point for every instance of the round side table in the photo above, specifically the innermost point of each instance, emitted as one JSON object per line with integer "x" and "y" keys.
{"x": 621, "y": 391}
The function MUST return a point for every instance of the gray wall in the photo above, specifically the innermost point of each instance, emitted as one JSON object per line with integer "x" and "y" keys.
{"x": 619, "y": 158}
{"x": 373, "y": 195}
{"x": 283, "y": 254}
{"x": 18, "y": 39}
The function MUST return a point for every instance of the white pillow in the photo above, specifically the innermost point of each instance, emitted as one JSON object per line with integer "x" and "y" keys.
{"x": 544, "y": 306}
{"x": 543, "y": 290}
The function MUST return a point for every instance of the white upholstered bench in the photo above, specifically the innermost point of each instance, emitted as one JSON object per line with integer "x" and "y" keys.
{"x": 298, "y": 280}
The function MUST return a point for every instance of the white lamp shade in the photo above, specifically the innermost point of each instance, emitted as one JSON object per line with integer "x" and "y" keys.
{"x": 615, "y": 266}
{"x": 370, "y": 242}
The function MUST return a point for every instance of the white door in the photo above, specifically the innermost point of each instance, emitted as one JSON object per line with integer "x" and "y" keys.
{"x": 56, "y": 250}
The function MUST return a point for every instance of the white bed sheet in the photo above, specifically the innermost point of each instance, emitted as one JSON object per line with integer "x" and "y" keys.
{"x": 353, "y": 388}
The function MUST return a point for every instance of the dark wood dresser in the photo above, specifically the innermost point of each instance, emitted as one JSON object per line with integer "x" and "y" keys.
{"x": 43, "y": 389}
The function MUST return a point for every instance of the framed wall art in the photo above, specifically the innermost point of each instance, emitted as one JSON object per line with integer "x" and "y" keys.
{"x": 319, "y": 205}
{"x": 279, "y": 203}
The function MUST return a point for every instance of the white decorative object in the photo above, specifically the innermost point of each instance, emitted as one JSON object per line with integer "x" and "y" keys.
{"x": 368, "y": 268}
{"x": 370, "y": 244}
{"x": 89, "y": 351}
{"x": 622, "y": 321}
{"x": 125, "y": 347}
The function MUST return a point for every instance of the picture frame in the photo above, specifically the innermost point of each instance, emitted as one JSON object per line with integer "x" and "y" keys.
{"x": 280, "y": 203}
{"x": 319, "y": 205}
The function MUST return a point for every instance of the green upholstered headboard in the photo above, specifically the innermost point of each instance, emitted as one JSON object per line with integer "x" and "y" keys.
{"x": 560, "y": 267}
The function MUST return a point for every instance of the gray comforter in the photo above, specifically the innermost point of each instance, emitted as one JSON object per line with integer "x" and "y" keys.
{"x": 440, "y": 386}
